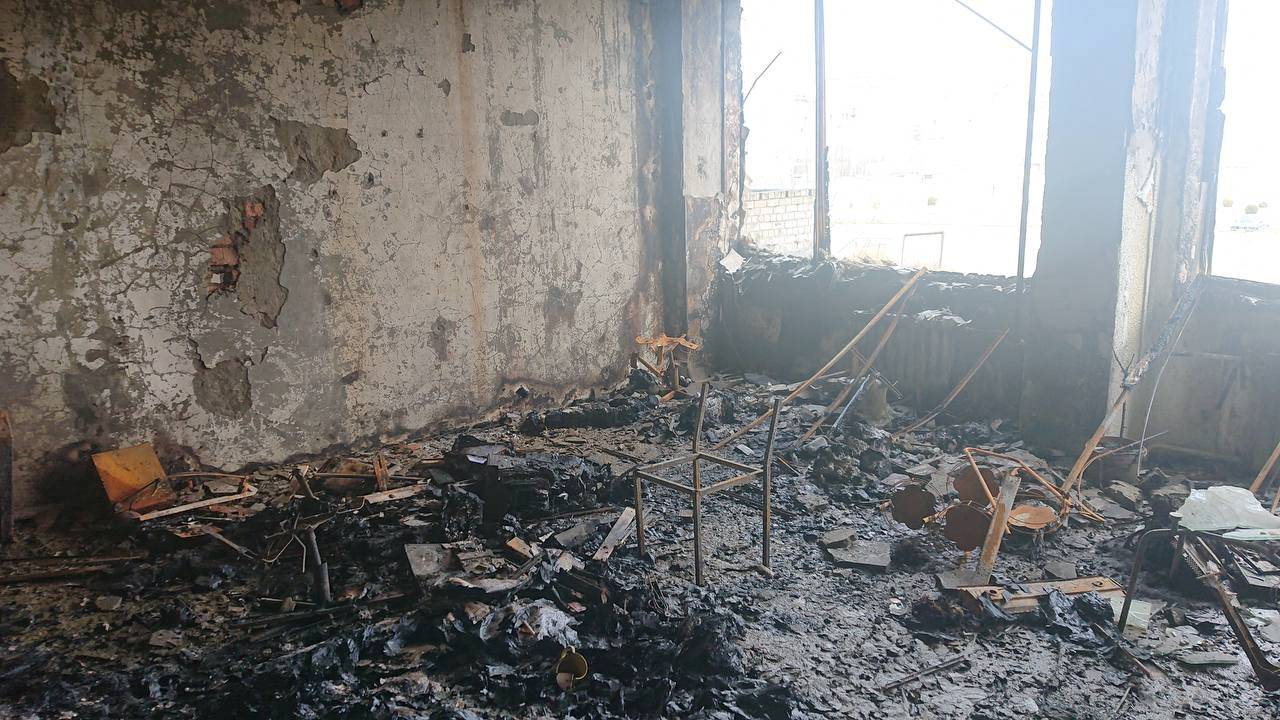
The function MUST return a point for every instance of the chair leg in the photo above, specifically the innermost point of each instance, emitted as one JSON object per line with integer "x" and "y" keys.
{"x": 639, "y": 517}
{"x": 698, "y": 576}
{"x": 768, "y": 486}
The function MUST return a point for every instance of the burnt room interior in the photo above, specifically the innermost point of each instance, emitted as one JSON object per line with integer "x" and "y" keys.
{"x": 718, "y": 359}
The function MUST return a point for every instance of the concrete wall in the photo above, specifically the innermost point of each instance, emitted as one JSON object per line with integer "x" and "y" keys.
{"x": 1073, "y": 319}
{"x": 244, "y": 230}
{"x": 712, "y": 111}
{"x": 786, "y": 316}
{"x": 780, "y": 220}
{"x": 1220, "y": 395}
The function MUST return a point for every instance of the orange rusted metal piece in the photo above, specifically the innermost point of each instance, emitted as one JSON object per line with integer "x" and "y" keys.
{"x": 133, "y": 477}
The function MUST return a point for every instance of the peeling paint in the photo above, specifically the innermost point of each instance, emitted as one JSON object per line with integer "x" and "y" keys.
{"x": 512, "y": 118}
{"x": 24, "y": 109}
{"x": 224, "y": 388}
{"x": 314, "y": 150}
{"x": 442, "y": 333}
{"x": 249, "y": 257}
{"x": 421, "y": 276}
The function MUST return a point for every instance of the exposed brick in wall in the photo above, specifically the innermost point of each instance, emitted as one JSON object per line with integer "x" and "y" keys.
{"x": 780, "y": 220}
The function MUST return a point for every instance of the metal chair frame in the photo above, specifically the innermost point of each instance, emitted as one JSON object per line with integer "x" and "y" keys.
{"x": 698, "y": 491}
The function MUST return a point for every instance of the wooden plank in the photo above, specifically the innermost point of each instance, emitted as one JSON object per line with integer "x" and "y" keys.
{"x": 731, "y": 482}
{"x": 576, "y": 535}
{"x": 399, "y": 493}
{"x": 1019, "y": 602}
{"x": 520, "y": 547}
{"x": 999, "y": 523}
{"x": 616, "y": 535}
{"x": 249, "y": 491}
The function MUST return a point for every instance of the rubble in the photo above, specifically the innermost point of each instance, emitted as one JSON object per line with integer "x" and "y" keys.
{"x": 494, "y": 574}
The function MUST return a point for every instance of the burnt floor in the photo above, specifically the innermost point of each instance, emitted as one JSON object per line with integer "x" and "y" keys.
{"x": 830, "y": 636}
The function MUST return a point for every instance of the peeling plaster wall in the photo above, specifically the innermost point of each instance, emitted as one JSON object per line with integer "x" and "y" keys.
{"x": 712, "y": 91}
{"x": 253, "y": 229}
{"x": 1220, "y": 395}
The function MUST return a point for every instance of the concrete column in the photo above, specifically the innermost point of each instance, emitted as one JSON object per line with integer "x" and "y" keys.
{"x": 1073, "y": 296}
{"x": 1130, "y": 160}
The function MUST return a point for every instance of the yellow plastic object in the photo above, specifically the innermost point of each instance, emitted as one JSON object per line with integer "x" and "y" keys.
{"x": 570, "y": 668}
{"x": 133, "y": 477}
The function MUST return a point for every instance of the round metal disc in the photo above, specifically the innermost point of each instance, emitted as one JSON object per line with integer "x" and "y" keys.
{"x": 966, "y": 526}
{"x": 1032, "y": 517}
{"x": 911, "y": 505}
{"x": 967, "y": 487}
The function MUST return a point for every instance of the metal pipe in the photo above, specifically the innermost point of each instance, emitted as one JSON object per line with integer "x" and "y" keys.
{"x": 639, "y": 516}
{"x": 856, "y": 394}
{"x": 1138, "y": 554}
{"x": 768, "y": 484}
{"x": 731, "y": 482}
{"x": 697, "y": 488}
{"x": 1026, "y": 170}
{"x": 319, "y": 569}
{"x": 709, "y": 457}
{"x": 1004, "y": 32}
{"x": 821, "y": 234}
{"x": 830, "y": 363}
{"x": 665, "y": 482}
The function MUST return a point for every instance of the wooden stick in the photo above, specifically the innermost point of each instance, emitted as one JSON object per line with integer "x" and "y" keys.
{"x": 1257, "y": 481}
{"x": 616, "y": 535}
{"x": 1177, "y": 321}
{"x": 830, "y": 363}
{"x": 51, "y": 574}
{"x": 767, "y": 491}
{"x": 249, "y": 491}
{"x": 999, "y": 522}
{"x": 72, "y": 559}
{"x": 698, "y": 576}
{"x": 955, "y": 392}
{"x": 1077, "y": 470}
{"x": 862, "y": 369}
{"x": 922, "y": 673}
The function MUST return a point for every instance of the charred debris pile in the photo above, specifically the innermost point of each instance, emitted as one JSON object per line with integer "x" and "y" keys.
{"x": 493, "y": 569}
{"x": 497, "y": 571}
